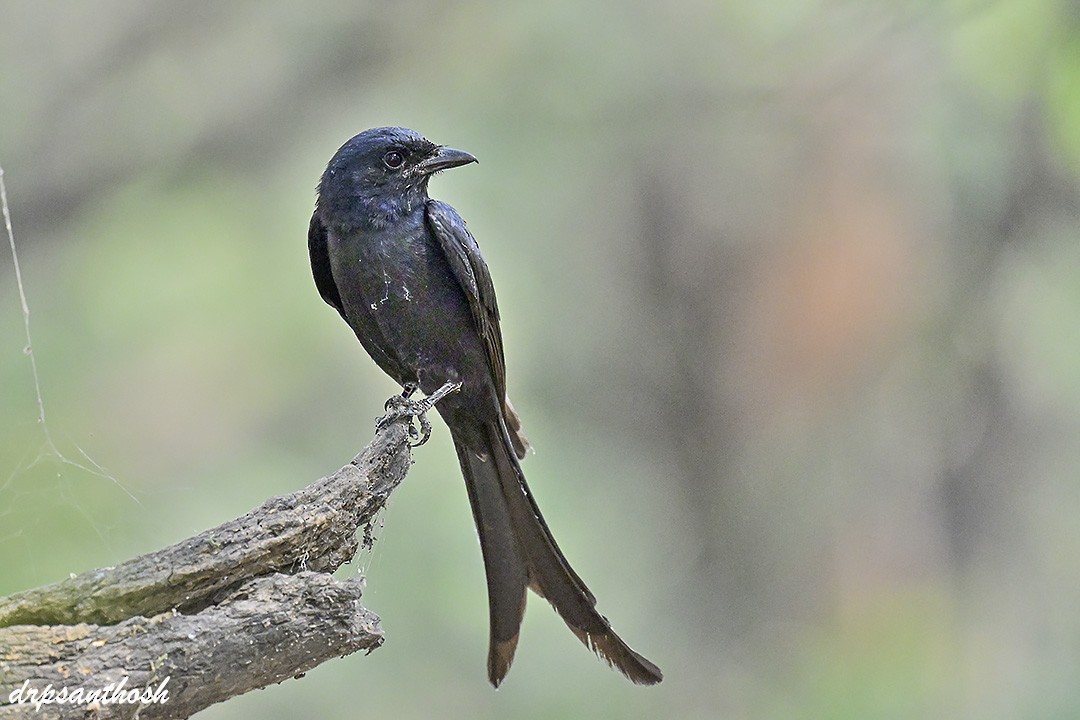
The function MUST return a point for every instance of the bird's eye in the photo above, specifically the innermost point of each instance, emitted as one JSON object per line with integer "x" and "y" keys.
{"x": 393, "y": 159}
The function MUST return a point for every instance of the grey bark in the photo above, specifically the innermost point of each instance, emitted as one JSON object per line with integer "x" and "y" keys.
{"x": 238, "y": 607}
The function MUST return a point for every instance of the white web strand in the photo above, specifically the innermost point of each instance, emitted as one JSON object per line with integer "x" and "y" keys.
{"x": 94, "y": 468}
{"x": 29, "y": 349}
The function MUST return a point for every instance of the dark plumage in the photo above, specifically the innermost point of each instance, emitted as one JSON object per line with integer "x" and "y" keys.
{"x": 408, "y": 278}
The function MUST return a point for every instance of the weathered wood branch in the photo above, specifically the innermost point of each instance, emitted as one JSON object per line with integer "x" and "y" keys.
{"x": 269, "y": 629}
{"x": 238, "y": 607}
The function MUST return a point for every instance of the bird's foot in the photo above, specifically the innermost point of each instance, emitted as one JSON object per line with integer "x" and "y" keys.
{"x": 400, "y": 407}
{"x": 406, "y": 392}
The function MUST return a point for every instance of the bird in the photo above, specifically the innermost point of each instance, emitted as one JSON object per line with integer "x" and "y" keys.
{"x": 407, "y": 276}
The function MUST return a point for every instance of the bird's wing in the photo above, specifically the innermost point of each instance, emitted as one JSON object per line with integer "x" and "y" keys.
{"x": 319, "y": 251}
{"x": 463, "y": 255}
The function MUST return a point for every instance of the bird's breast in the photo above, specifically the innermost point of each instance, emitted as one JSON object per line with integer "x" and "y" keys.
{"x": 399, "y": 292}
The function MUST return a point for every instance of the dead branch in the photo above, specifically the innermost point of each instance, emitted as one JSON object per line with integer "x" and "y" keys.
{"x": 238, "y": 607}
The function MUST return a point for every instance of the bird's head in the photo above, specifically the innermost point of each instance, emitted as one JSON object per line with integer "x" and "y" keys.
{"x": 385, "y": 170}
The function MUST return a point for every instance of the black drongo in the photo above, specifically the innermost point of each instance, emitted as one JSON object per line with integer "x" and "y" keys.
{"x": 407, "y": 277}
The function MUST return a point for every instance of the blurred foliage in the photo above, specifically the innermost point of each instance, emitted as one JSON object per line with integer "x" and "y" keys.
{"x": 789, "y": 292}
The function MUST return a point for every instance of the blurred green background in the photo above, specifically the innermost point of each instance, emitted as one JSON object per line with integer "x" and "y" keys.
{"x": 790, "y": 296}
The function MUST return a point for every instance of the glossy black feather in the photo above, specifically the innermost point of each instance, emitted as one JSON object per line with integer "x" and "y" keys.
{"x": 472, "y": 274}
{"x": 408, "y": 277}
{"x": 320, "y": 264}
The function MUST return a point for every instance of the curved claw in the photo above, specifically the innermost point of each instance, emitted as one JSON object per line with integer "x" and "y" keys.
{"x": 425, "y": 429}
{"x": 400, "y": 407}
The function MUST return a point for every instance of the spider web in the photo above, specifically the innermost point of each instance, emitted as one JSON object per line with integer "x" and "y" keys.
{"x": 43, "y": 451}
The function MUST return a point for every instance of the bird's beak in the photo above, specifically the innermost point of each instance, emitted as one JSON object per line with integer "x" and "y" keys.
{"x": 443, "y": 159}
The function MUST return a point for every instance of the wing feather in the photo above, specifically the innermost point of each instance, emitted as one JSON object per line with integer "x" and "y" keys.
{"x": 471, "y": 272}
{"x": 319, "y": 252}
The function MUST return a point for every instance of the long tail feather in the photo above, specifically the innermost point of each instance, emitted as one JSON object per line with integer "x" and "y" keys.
{"x": 510, "y": 524}
{"x": 507, "y": 576}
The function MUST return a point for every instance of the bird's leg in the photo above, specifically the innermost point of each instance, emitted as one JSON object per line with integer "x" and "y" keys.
{"x": 399, "y": 407}
{"x": 407, "y": 391}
